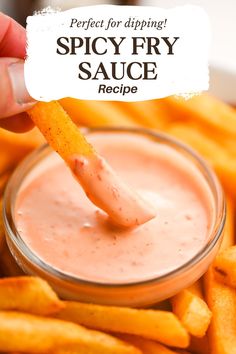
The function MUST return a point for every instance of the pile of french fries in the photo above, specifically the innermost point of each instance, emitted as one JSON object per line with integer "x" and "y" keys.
{"x": 198, "y": 320}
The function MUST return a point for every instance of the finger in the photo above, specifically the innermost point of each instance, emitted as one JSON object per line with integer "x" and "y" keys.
{"x": 20, "y": 123}
{"x": 14, "y": 97}
{"x": 12, "y": 38}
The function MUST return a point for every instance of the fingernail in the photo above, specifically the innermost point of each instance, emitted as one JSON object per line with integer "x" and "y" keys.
{"x": 16, "y": 74}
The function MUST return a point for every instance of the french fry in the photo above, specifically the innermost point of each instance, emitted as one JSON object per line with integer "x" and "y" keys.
{"x": 229, "y": 233}
{"x": 14, "y": 147}
{"x": 199, "y": 345}
{"x": 204, "y": 113}
{"x": 196, "y": 289}
{"x": 8, "y": 265}
{"x": 34, "y": 295}
{"x": 146, "y": 346}
{"x": 3, "y": 248}
{"x": 152, "y": 324}
{"x": 221, "y": 300}
{"x": 223, "y": 163}
{"x": 4, "y": 177}
{"x": 204, "y": 109}
{"x": 58, "y": 129}
{"x": 146, "y": 113}
{"x": 1, "y": 221}
{"x": 2, "y": 238}
{"x": 34, "y": 334}
{"x": 192, "y": 311}
{"x": 96, "y": 113}
{"x": 225, "y": 266}
{"x": 129, "y": 209}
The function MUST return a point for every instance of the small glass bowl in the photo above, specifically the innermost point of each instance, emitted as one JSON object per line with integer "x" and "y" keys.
{"x": 143, "y": 293}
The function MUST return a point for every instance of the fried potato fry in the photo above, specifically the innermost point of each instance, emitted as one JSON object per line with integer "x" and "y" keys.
{"x": 225, "y": 266}
{"x": 13, "y": 147}
{"x": 1, "y": 221}
{"x": 28, "y": 294}
{"x": 196, "y": 289}
{"x": 146, "y": 346}
{"x": 58, "y": 129}
{"x": 8, "y": 265}
{"x": 192, "y": 311}
{"x": 33, "y": 334}
{"x": 96, "y": 113}
{"x": 221, "y": 300}
{"x": 195, "y": 138}
{"x": 152, "y": 324}
{"x": 4, "y": 177}
{"x": 206, "y": 110}
{"x": 129, "y": 209}
{"x": 199, "y": 345}
{"x": 223, "y": 163}
{"x": 147, "y": 113}
{"x": 204, "y": 113}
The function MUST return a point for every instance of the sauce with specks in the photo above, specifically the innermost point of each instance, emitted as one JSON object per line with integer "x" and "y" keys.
{"x": 62, "y": 226}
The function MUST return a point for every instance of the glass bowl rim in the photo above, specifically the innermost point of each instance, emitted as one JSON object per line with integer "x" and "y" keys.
{"x": 161, "y": 138}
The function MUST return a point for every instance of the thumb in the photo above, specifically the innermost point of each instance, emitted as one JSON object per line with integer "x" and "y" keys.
{"x": 14, "y": 97}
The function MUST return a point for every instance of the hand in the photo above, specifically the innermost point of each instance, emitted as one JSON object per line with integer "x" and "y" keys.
{"x": 14, "y": 98}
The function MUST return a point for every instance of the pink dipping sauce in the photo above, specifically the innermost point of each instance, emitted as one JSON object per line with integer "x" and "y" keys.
{"x": 63, "y": 228}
